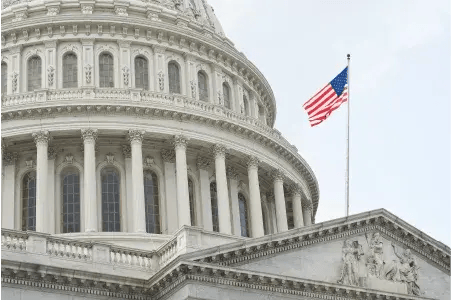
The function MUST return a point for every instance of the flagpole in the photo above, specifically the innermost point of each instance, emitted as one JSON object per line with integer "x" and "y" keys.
{"x": 347, "y": 145}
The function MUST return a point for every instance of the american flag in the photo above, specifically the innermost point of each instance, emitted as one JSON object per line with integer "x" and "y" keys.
{"x": 328, "y": 99}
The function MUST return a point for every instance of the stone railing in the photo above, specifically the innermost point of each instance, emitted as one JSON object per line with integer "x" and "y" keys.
{"x": 168, "y": 252}
{"x": 67, "y": 248}
{"x": 14, "y": 240}
{"x": 133, "y": 258}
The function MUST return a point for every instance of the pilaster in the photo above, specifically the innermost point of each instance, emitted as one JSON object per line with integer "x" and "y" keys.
{"x": 170, "y": 182}
{"x": 88, "y": 63}
{"x": 160, "y": 73}
{"x": 125, "y": 64}
{"x": 14, "y": 74}
{"x": 203, "y": 165}
{"x": 8, "y": 195}
{"x": 50, "y": 67}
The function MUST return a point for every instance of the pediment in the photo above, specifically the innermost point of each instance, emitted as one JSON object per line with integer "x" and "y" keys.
{"x": 377, "y": 252}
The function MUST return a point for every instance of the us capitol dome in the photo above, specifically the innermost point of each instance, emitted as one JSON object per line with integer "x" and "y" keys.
{"x": 140, "y": 160}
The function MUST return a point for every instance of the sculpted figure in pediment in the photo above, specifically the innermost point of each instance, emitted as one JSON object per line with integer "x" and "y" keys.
{"x": 351, "y": 254}
{"x": 375, "y": 260}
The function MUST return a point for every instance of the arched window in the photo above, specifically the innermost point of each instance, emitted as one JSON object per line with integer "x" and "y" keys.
{"x": 152, "y": 202}
{"x": 34, "y": 73}
{"x": 203, "y": 86}
{"x": 243, "y": 215}
{"x": 245, "y": 110}
{"x": 29, "y": 201}
{"x": 71, "y": 201}
{"x": 110, "y": 200}
{"x": 192, "y": 208}
{"x": 141, "y": 73}
{"x": 174, "y": 78}
{"x": 70, "y": 74}
{"x": 106, "y": 71}
{"x": 226, "y": 92}
{"x": 4, "y": 77}
{"x": 214, "y": 206}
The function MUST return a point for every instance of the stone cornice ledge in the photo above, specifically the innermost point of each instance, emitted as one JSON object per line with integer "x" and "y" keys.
{"x": 380, "y": 220}
{"x": 162, "y": 285}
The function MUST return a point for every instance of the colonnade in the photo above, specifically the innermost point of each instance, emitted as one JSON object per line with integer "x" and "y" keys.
{"x": 226, "y": 181}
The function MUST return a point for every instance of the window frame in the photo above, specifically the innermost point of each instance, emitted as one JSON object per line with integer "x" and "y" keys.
{"x": 246, "y": 215}
{"x": 113, "y": 73}
{"x": 205, "y": 96}
{"x": 29, "y": 60}
{"x": 4, "y": 78}
{"x": 65, "y": 172}
{"x": 178, "y": 68}
{"x": 119, "y": 199}
{"x": 24, "y": 219}
{"x": 146, "y": 86}
{"x": 68, "y": 53}
{"x": 214, "y": 209}
{"x": 157, "y": 201}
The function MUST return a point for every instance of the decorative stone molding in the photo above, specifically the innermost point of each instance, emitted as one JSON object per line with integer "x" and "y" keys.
{"x": 161, "y": 80}
{"x": 30, "y": 163}
{"x": 252, "y": 162}
{"x": 10, "y": 158}
{"x": 126, "y": 74}
{"x": 180, "y": 141}
{"x": 87, "y": 8}
{"x": 14, "y": 76}
{"x": 277, "y": 175}
{"x": 168, "y": 155}
{"x": 69, "y": 158}
{"x": 193, "y": 89}
{"x": 89, "y": 135}
{"x": 149, "y": 162}
{"x": 218, "y": 150}
{"x": 50, "y": 75}
{"x": 126, "y": 151}
{"x": 88, "y": 73}
{"x": 53, "y": 10}
{"x": 41, "y": 137}
{"x": 203, "y": 163}
{"x": 109, "y": 158}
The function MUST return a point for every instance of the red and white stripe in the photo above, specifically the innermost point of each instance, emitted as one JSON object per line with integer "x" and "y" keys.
{"x": 323, "y": 103}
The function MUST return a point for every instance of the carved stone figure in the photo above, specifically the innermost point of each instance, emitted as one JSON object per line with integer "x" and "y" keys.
{"x": 406, "y": 271}
{"x": 375, "y": 261}
{"x": 351, "y": 254}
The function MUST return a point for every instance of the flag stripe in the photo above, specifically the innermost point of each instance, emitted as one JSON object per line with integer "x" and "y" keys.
{"x": 325, "y": 101}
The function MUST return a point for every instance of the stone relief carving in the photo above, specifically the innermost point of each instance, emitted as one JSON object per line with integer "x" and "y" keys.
{"x": 121, "y": 11}
{"x": 53, "y": 10}
{"x": 149, "y": 161}
{"x": 193, "y": 89}
{"x": 399, "y": 268}
{"x": 87, "y": 9}
{"x": 50, "y": 75}
{"x": 25, "y": 35}
{"x": 109, "y": 158}
{"x": 15, "y": 75}
{"x": 88, "y": 72}
{"x": 126, "y": 74}
{"x": 69, "y": 158}
{"x": 161, "y": 80}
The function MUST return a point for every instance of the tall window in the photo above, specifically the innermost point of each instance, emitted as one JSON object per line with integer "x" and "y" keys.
{"x": 29, "y": 202}
{"x": 70, "y": 75}
{"x": 192, "y": 209}
{"x": 243, "y": 215}
{"x": 152, "y": 202}
{"x": 246, "y": 106}
{"x": 4, "y": 77}
{"x": 106, "y": 71}
{"x": 214, "y": 206}
{"x": 34, "y": 73}
{"x": 203, "y": 86}
{"x": 226, "y": 92}
{"x": 71, "y": 201}
{"x": 110, "y": 200}
{"x": 174, "y": 78}
{"x": 141, "y": 73}
{"x": 261, "y": 112}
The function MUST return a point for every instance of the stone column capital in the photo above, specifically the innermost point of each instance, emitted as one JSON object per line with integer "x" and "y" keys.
{"x": 219, "y": 151}
{"x": 295, "y": 189}
{"x": 232, "y": 173}
{"x": 10, "y": 158}
{"x": 307, "y": 206}
{"x": 277, "y": 175}
{"x": 252, "y": 162}
{"x": 168, "y": 155}
{"x": 203, "y": 163}
{"x": 136, "y": 136}
{"x": 41, "y": 137}
{"x": 89, "y": 135}
{"x": 180, "y": 141}
{"x": 52, "y": 153}
{"x": 126, "y": 151}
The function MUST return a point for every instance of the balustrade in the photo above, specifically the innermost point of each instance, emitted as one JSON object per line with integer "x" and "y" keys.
{"x": 69, "y": 249}
{"x": 14, "y": 240}
{"x": 168, "y": 252}
{"x": 132, "y": 258}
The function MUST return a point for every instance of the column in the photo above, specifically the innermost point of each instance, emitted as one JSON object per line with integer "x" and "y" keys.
{"x": 219, "y": 152}
{"x": 125, "y": 80}
{"x": 297, "y": 207}
{"x": 281, "y": 211}
{"x": 138, "y": 206}
{"x": 233, "y": 178}
{"x": 265, "y": 213}
{"x": 272, "y": 211}
{"x": 170, "y": 182}
{"x": 127, "y": 152}
{"x": 307, "y": 210}
{"x": 8, "y": 197}
{"x": 50, "y": 65}
{"x": 160, "y": 68}
{"x": 51, "y": 209}
{"x": 88, "y": 63}
{"x": 180, "y": 143}
{"x": 203, "y": 165}
{"x": 254, "y": 195}
{"x": 41, "y": 139}
{"x": 90, "y": 198}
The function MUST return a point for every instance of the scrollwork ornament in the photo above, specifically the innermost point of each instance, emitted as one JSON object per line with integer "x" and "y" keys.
{"x": 193, "y": 89}
{"x": 69, "y": 158}
{"x": 126, "y": 74}
{"x": 50, "y": 75}
{"x": 232, "y": 173}
{"x": 89, "y": 135}
{"x": 52, "y": 153}
{"x": 161, "y": 80}
{"x": 109, "y": 158}
{"x": 252, "y": 162}
{"x": 126, "y": 151}
{"x": 88, "y": 73}
{"x": 203, "y": 163}
{"x": 10, "y": 158}
{"x": 180, "y": 141}
{"x": 15, "y": 76}
{"x": 149, "y": 161}
{"x": 219, "y": 151}
{"x": 277, "y": 175}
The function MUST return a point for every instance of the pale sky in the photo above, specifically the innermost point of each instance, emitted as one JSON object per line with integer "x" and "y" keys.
{"x": 399, "y": 95}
